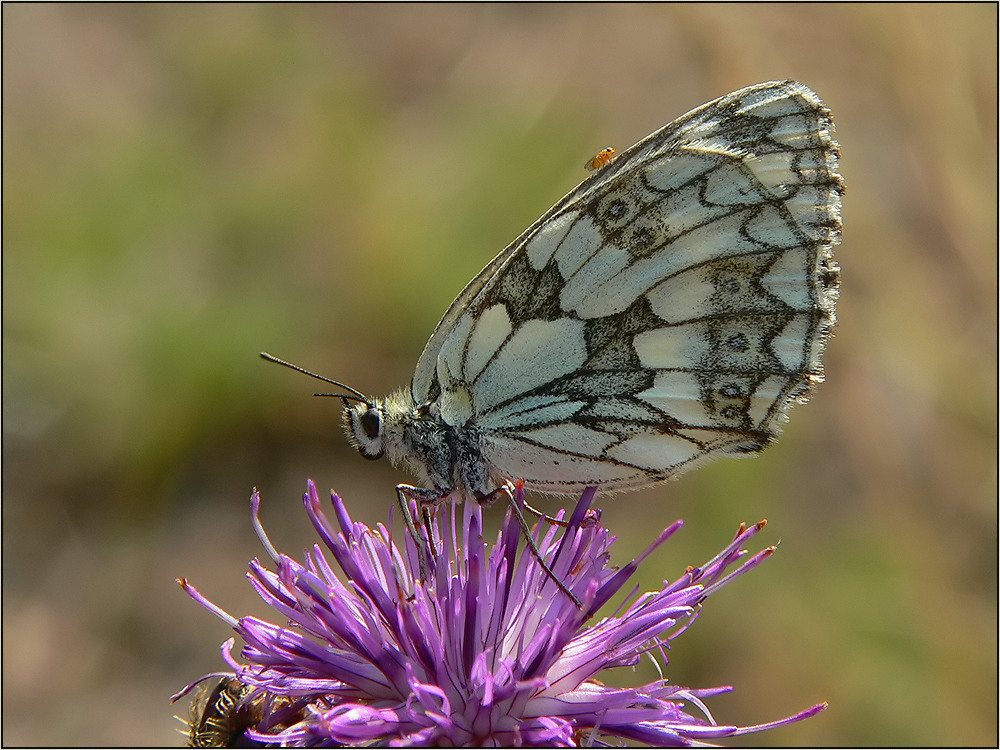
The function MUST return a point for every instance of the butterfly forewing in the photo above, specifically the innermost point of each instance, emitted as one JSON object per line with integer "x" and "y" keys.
{"x": 668, "y": 309}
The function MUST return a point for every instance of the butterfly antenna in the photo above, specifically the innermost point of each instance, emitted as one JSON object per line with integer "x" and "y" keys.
{"x": 357, "y": 395}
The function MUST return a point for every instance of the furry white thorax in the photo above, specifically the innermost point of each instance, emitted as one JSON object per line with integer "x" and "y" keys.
{"x": 442, "y": 457}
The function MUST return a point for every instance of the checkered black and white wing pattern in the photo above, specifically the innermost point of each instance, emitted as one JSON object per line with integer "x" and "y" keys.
{"x": 669, "y": 309}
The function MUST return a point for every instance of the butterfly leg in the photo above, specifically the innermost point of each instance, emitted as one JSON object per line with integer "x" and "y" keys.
{"x": 589, "y": 520}
{"x": 426, "y": 500}
{"x": 507, "y": 491}
{"x": 543, "y": 517}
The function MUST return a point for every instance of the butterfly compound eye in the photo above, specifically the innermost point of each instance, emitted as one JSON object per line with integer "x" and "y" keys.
{"x": 371, "y": 423}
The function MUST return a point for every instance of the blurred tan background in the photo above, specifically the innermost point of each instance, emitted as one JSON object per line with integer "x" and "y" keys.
{"x": 185, "y": 186}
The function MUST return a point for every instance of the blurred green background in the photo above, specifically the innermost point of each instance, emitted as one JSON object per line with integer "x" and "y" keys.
{"x": 186, "y": 185}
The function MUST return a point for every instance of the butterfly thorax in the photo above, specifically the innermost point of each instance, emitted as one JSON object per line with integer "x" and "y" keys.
{"x": 442, "y": 455}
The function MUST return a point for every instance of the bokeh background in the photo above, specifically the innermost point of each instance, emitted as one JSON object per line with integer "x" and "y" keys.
{"x": 185, "y": 186}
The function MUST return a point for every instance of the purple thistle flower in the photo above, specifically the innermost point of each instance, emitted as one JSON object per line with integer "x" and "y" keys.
{"x": 487, "y": 651}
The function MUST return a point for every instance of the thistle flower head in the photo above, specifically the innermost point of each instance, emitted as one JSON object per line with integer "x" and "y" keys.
{"x": 486, "y": 651}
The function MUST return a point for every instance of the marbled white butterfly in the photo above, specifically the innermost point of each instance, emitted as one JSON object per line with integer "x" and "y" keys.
{"x": 670, "y": 309}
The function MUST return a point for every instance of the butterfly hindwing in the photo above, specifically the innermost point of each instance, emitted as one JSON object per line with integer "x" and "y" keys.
{"x": 668, "y": 309}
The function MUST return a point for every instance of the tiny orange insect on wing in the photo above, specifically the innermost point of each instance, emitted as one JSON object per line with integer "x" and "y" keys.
{"x": 602, "y": 158}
